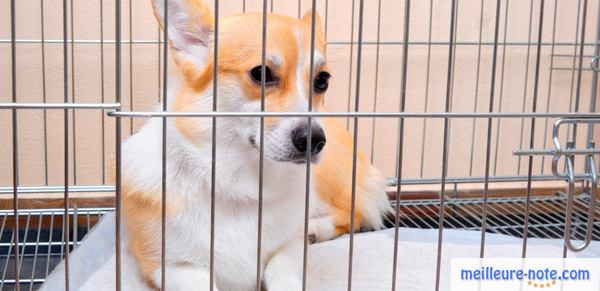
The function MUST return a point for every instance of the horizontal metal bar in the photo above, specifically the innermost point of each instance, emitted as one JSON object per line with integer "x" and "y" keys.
{"x": 491, "y": 200}
{"x": 80, "y": 41}
{"x": 469, "y": 179}
{"x": 29, "y": 255}
{"x": 58, "y": 189}
{"x": 533, "y": 226}
{"x": 60, "y": 105}
{"x": 445, "y": 43}
{"x": 391, "y": 182}
{"x": 354, "y": 114}
{"x": 554, "y": 152}
{"x": 33, "y": 244}
{"x": 572, "y": 120}
{"x": 337, "y": 42}
{"x": 58, "y": 211}
{"x": 24, "y": 281}
{"x": 569, "y": 69}
{"x": 570, "y": 56}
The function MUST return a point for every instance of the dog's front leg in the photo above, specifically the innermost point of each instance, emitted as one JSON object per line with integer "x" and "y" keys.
{"x": 183, "y": 277}
{"x": 284, "y": 271}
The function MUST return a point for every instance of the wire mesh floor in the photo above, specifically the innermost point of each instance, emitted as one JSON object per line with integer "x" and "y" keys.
{"x": 41, "y": 246}
{"x": 41, "y": 231}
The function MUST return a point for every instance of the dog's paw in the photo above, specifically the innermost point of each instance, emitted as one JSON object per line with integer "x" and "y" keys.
{"x": 321, "y": 229}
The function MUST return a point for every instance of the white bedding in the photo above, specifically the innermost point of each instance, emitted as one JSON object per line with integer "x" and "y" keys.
{"x": 92, "y": 265}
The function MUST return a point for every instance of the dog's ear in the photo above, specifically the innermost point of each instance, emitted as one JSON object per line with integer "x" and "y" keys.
{"x": 190, "y": 26}
{"x": 307, "y": 18}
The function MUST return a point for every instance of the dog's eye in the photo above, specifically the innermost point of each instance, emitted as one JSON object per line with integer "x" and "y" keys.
{"x": 321, "y": 82}
{"x": 256, "y": 75}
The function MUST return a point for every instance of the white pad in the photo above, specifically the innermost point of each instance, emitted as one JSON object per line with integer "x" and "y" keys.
{"x": 92, "y": 265}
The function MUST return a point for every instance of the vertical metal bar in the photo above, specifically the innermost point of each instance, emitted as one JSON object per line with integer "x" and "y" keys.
{"x": 549, "y": 98}
{"x": 574, "y": 133}
{"x": 525, "y": 84}
{"x": 456, "y": 18}
{"x": 374, "y": 125}
{"x": 163, "y": 201}
{"x": 15, "y": 143}
{"x": 214, "y": 146}
{"x": 401, "y": 137}
{"x": 445, "y": 145}
{"x": 66, "y": 138}
{"x": 130, "y": 65}
{"x": 24, "y": 243}
{"x": 74, "y": 137}
{"x": 573, "y": 65}
{"x": 489, "y": 132}
{"x": 299, "y": 8}
{"x": 118, "y": 160}
{"x": 159, "y": 45}
{"x": 87, "y": 220}
{"x": 351, "y": 64}
{"x": 580, "y": 68}
{"x": 35, "y": 252}
{"x": 102, "y": 93}
{"x": 532, "y": 130}
{"x": 326, "y": 29}
{"x": 75, "y": 227}
{"x": 355, "y": 140}
{"x": 573, "y": 69}
{"x": 51, "y": 239}
{"x": 475, "y": 99}
{"x": 452, "y": 79}
{"x": 497, "y": 148}
{"x": 62, "y": 235}
{"x": 426, "y": 101}
{"x": 326, "y": 17}
{"x": 308, "y": 145}
{"x": 43, "y": 43}
{"x": 261, "y": 158}
{"x": 594, "y": 81}
{"x": 5, "y": 269}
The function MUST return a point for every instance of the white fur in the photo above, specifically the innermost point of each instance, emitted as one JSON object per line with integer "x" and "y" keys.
{"x": 182, "y": 277}
{"x": 188, "y": 180}
{"x": 189, "y": 39}
{"x": 375, "y": 203}
{"x": 236, "y": 197}
{"x": 236, "y": 187}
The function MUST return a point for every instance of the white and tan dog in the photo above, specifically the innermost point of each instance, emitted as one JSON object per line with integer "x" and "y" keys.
{"x": 190, "y": 30}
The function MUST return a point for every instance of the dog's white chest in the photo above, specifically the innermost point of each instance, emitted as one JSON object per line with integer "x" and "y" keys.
{"x": 235, "y": 234}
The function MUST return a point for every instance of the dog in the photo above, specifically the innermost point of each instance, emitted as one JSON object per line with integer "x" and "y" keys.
{"x": 238, "y": 143}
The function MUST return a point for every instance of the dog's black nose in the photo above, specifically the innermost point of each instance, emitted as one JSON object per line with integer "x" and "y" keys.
{"x": 317, "y": 140}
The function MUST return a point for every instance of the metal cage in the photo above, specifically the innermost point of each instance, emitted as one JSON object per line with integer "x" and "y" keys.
{"x": 551, "y": 173}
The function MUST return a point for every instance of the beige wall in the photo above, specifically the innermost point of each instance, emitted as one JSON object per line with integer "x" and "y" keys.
{"x": 140, "y": 65}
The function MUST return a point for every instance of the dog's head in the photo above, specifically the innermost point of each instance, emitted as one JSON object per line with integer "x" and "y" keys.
{"x": 239, "y": 73}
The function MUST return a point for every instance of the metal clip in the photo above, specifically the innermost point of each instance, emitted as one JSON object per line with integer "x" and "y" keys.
{"x": 591, "y": 174}
{"x": 592, "y": 205}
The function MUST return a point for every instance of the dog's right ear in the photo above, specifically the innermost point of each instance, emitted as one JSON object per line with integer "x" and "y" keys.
{"x": 189, "y": 25}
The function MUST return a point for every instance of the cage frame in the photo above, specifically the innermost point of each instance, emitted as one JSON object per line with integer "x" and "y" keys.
{"x": 115, "y": 110}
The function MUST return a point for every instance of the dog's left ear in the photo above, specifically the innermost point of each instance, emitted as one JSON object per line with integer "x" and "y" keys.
{"x": 190, "y": 26}
{"x": 307, "y": 18}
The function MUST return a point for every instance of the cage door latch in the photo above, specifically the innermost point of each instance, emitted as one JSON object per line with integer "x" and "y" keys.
{"x": 569, "y": 151}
